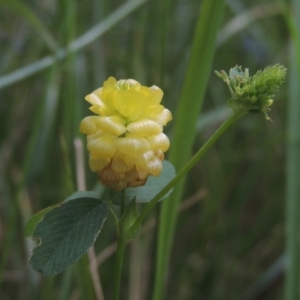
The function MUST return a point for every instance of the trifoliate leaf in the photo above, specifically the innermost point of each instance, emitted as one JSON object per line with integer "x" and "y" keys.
{"x": 32, "y": 222}
{"x": 65, "y": 234}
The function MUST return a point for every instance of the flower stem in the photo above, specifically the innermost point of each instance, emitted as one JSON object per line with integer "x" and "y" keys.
{"x": 234, "y": 117}
{"x": 120, "y": 252}
{"x": 118, "y": 267}
{"x": 122, "y": 201}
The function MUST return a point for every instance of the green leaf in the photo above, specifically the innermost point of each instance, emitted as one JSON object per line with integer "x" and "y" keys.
{"x": 154, "y": 185}
{"x": 65, "y": 234}
{"x": 31, "y": 223}
{"x": 83, "y": 194}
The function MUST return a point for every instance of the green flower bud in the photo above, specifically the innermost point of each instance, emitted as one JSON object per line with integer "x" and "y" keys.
{"x": 253, "y": 94}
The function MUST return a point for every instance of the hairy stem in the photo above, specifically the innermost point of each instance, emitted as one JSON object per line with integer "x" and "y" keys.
{"x": 186, "y": 168}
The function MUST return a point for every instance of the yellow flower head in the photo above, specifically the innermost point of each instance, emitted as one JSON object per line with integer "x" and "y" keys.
{"x": 125, "y": 138}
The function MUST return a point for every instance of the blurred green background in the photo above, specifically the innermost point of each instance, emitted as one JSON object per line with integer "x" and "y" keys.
{"x": 230, "y": 236}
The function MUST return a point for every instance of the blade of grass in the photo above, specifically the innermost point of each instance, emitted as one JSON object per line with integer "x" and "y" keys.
{"x": 266, "y": 280}
{"x": 293, "y": 186}
{"x": 162, "y": 9}
{"x": 98, "y": 46}
{"x": 65, "y": 290}
{"x": 84, "y": 40}
{"x": 292, "y": 287}
{"x": 70, "y": 127}
{"x": 191, "y": 99}
{"x": 24, "y": 11}
{"x": 245, "y": 19}
{"x": 38, "y": 142}
{"x": 44, "y": 125}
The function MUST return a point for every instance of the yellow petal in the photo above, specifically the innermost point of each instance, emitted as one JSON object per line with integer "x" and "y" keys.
{"x": 156, "y": 95}
{"x": 128, "y": 84}
{"x": 102, "y": 146}
{"x": 111, "y": 125}
{"x": 111, "y": 83}
{"x": 98, "y": 92}
{"x": 94, "y": 98}
{"x": 163, "y": 118}
{"x": 134, "y": 85}
{"x": 153, "y": 167}
{"x": 159, "y": 142}
{"x": 139, "y": 159}
{"x": 98, "y": 163}
{"x": 98, "y": 134}
{"x": 145, "y": 91}
{"x": 88, "y": 125}
{"x": 109, "y": 87}
{"x": 118, "y": 165}
{"x": 145, "y": 128}
{"x": 159, "y": 154}
{"x": 152, "y": 111}
{"x": 103, "y": 110}
{"x": 100, "y": 100}
{"x": 129, "y": 104}
{"x": 132, "y": 145}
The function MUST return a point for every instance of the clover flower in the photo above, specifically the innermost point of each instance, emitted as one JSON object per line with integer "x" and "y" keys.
{"x": 253, "y": 94}
{"x": 125, "y": 138}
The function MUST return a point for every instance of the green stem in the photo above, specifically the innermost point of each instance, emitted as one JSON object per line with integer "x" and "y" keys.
{"x": 118, "y": 267}
{"x": 116, "y": 219}
{"x": 120, "y": 251}
{"x": 122, "y": 201}
{"x": 186, "y": 168}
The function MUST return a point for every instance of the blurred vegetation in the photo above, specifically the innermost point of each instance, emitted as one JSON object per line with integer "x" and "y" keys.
{"x": 230, "y": 235}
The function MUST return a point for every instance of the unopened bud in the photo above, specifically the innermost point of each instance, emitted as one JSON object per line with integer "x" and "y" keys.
{"x": 253, "y": 94}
